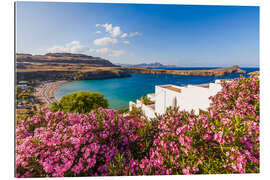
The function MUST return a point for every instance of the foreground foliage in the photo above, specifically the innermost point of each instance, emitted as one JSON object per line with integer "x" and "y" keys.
{"x": 223, "y": 140}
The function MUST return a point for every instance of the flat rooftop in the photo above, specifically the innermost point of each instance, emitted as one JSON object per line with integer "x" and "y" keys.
{"x": 203, "y": 85}
{"x": 172, "y": 88}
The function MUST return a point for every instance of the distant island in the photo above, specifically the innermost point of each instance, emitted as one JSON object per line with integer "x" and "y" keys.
{"x": 68, "y": 66}
{"x": 150, "y": 65}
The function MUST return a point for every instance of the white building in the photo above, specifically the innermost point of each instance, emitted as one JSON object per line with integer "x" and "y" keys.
{"x": 190, "y": 97}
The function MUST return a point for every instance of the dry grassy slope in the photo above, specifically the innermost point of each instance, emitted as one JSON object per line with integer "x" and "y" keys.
{"x": 63, "y": 58}
{"x": 66, "y": 66}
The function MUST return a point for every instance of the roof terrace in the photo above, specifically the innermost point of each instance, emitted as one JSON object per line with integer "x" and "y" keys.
{"x": 172, "y": 88}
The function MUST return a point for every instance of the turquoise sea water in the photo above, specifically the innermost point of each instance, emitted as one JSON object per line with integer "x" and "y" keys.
{"x": 120, "y": 91}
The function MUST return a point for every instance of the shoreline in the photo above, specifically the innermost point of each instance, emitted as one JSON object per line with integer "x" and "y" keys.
{"x": 96, "y": 73}
{"x": 44, "y": 92}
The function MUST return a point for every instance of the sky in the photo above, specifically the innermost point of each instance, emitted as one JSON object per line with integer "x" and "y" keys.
{"x": 182, "y": 35}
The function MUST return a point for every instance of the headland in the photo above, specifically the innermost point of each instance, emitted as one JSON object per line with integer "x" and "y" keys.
{"x": 67, "y": 66}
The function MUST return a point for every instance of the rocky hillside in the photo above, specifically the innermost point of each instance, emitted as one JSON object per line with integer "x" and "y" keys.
{"x": 53, "y": 75}
{"x": 62, "y": 58}
{"x": 67, "y": 66}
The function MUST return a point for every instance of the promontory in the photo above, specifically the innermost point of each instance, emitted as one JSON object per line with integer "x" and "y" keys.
{"x": 68, "y": 66}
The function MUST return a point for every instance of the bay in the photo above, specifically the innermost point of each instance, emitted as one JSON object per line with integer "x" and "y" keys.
{"x": 120, "y": 91}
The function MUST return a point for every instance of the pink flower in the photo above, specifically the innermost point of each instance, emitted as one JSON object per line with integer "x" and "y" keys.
{"x": 181, "y": 140}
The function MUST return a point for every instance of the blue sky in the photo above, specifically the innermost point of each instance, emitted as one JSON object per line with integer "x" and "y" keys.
{"x": 132, "y": 33}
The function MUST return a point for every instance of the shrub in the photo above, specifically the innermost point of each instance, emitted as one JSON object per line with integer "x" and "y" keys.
{"x": 225, "y": 139}
{"x": 122, "y": 110}
{"x": 60, "y": 144}
{"x": 82, "y": 102}
{"x": 145, "y": 100}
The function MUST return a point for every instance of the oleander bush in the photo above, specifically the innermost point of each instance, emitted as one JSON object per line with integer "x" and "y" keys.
{"x": 226, "y": 140}
{"x": 64, "y": 144}
{"x": 223, "y": 140}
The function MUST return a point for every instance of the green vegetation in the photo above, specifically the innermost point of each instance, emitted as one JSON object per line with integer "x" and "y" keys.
{"x": 81, "y": 102}
{"x": 25, "y": 101}
{"x": 136, "y": 111}
{"x": 122, "y": 110}
{"x": 23, "y": 94}
{"x": 146, "y": 100}
{"x": 225, "y": 139}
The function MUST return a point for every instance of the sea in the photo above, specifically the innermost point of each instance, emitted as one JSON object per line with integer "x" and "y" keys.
{"x": 120, "y": 91}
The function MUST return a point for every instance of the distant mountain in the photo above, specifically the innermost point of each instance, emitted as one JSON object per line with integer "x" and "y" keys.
{"x": 150, "y": 65}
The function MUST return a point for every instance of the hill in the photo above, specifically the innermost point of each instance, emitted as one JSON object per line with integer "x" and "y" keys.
{"x": 58, "y": 59}
{"x": 67, "y": 66}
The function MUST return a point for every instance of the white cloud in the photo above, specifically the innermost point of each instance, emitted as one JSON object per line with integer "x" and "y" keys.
{"x": 71, "y": 47}
{"x": 116, "y": 31}
{"x": 113, "y": 31}
{"x": 126, "y": 42}
{"x": 98, "y": 32}
{"x": 72, "y": 44}
{"x": 108, "y": 27}
{"x": 124, "y": 35}
{"x": 55, "y": 49}
{"x": 134, "y": 34}
{"x": 105, "y": 41}
{"x": 116, "y": 53}
{"x": 108, "y": 52}
{"x": 100, "y": 51}
{"x": 76, "y": 47}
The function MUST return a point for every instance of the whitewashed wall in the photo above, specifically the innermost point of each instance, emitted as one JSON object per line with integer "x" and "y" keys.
{"x": 148, "y": 112}
{"x": 165, "y": 98}
{"x": 191, "y": 97}
{"x": 138, "y": 104}
{"x": 160, "y": 100}
{"x": 152, "y": 97}
{"x": 194, "y": 98}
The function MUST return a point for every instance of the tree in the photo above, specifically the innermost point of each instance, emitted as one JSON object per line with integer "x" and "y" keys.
{"x": 82, "y": 102}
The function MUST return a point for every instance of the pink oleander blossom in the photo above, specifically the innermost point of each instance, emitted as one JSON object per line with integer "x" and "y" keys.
{"x": 225, "y": 139}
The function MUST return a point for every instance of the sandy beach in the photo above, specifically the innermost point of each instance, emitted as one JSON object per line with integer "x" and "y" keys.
{"x": 45, "y": 91}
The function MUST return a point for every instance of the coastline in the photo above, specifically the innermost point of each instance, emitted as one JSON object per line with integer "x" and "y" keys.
{"x": 44, "y": 92}
{"x": 97, "y": 73}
